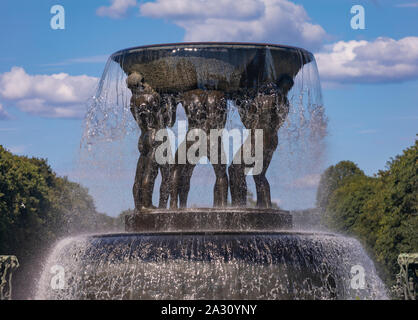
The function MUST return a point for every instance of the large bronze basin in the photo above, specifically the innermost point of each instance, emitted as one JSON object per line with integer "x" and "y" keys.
{"x": 229, "y": 67}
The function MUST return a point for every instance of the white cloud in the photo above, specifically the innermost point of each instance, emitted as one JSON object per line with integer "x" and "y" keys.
{"x": 57, "y": 95}
{"x": 308, "y": 181}
{"x": 3, "y": 113}
{"x": 379, "y": 61}
{"x": 275, "y": 21}
{"x": 117, "y": 9}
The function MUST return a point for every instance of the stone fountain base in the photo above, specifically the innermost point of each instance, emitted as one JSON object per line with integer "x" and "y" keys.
{"x": 208, "y": 219}
{"x": 196, "y": 253}
{"x": 210, "y": 265}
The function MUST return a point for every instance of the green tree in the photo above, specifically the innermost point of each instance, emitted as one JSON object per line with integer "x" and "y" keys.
{"x": 381, "y": 211}
{"x": 332, "y": 178}
{"x": 399, "y": 219}
{"x": 346, "y": 203}
{"x": 37, "y": 208}
{"x": 25, "y": 202}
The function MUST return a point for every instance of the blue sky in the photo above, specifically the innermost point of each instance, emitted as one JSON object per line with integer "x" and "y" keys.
{"x": 369, "y": 77}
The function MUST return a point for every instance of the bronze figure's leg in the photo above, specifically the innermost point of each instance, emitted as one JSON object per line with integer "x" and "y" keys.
{"x": 238, "y": 184}
{"x": 184, "y": 187}
{"x": 261, "y": 183}
{"x": 149, "y": 175}
{"x": 138, "y": 182}
{"x": 165, "y": 186}
{"x": 220, "y": 190}
{"x": 176, "y": 175}
{"x": 217, "y": 109}
{"x": 174, "y": 185}
{"x": 236, "y": 170}
{"x": 140, "y": 169}
{"x": 181, "y": 176}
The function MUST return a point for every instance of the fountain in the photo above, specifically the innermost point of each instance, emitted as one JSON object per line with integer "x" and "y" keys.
{"x": 229, "y": 251}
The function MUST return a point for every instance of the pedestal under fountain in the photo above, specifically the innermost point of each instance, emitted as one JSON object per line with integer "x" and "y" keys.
{"x": 230, "y": 251}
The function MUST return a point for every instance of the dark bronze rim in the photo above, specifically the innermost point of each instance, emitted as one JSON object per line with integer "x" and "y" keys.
{"x": 209, "y": 44}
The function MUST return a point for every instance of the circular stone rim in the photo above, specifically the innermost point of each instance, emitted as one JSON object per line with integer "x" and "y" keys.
{"x": 207, "y": 45}
{"x": 289, "y": 232}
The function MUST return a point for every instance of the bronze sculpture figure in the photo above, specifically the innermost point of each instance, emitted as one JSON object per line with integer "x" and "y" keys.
{"x": 152, "y": 112}
{"x": 203, "y": 77}
{"x": 267, "y": 110}
{"x": 205, "y": 110}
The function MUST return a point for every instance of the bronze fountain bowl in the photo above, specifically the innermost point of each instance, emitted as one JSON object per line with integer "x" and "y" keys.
{"x": 228, "y": 67}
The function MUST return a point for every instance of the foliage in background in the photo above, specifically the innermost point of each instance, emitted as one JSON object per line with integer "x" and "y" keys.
{"x": 37, "y": 208}
{"x": 381, "y": 211}
{"x": 332, "y": 178}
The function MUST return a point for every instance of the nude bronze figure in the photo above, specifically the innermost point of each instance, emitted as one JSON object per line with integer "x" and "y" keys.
{"x": 267, "y": 110}
{"x": 152, "y": 112}
{"x": 205, "y": 110}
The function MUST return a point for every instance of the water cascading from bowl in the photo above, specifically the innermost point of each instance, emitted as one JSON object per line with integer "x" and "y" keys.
{"x": 109, "y": 150}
